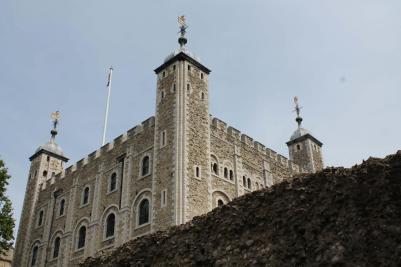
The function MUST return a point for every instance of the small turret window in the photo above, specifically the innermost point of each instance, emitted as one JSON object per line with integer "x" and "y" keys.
{"x": 44, "y": 173}
{"x": 113, "y": 182}
{"x": 298, "y": 147}
{"x": 231, "y": 175}
{"x": 40, "y": 219}
{"x": 110, "y": 224}
{"x": 215, "y": 168}
{"x": 143, "y": 212}
{"x": 189, "y": 67}
{"x": 249, "y": 183}
{"x": 220, "y": 203}
{"x": 85, "y": 197}
{"x": 62, "y": 205}
{"x": 173, "y": 67}
{"x": 145, "y": 168}
{"x": 81, "y": 237}
{"x": 201, "y": 76}
{"x": 164, "y": 74}
{"x": 56, "y": 247}
{"x": 34, "y": 256}
{"x": 244, "y": 181}
{"x": 225, "y": 173}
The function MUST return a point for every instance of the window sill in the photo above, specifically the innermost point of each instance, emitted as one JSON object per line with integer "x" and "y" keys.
{"x": 79, "y": 249}
{"x": 108, "y": 238}
{"x": 111, "y": 192}
{"x": 144, "y": 176}
{"x": 142, "y": 225}
{"x": 86, "y": 204}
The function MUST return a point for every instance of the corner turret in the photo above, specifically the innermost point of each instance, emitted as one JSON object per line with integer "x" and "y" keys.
{"x": 304, "y": 149}
{"x": 47, "y": 161}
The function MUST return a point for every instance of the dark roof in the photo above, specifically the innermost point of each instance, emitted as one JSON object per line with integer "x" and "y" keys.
{"x": 182, "y": 56}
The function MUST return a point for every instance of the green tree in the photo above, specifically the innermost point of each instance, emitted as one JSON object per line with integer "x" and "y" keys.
{"x": 6, "y": 220}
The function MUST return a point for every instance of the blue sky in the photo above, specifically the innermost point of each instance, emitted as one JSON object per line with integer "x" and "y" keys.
{"x": 342, "y": 58}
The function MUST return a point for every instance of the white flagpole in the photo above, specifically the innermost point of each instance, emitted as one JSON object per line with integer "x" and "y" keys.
{"x": 107, "y": 105}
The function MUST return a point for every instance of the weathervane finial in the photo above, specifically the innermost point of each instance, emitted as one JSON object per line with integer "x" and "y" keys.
{"x": 55, "y": 119}
{"x": 183, "y": 26}
{"x": 298, "y": 111}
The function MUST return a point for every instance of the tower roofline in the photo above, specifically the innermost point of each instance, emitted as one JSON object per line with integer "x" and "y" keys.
{"x": 182, "y": 56}
{"x": 48, "y": 153}
{"x": 304, "y": 137}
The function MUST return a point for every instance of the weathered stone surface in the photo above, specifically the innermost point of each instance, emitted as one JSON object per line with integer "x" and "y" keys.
{"x": 338, "y": 217}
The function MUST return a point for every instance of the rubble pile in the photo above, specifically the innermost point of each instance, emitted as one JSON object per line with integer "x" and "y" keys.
{"x": 340, "y": 217}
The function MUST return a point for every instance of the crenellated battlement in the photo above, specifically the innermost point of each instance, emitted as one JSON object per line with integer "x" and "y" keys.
{"x": 119, "y": 140}
{"x": 248, "y": 141}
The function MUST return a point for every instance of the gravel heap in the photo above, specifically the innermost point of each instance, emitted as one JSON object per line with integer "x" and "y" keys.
{"x": 340, "y": 217}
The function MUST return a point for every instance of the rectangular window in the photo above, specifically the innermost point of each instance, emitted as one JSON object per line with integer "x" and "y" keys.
{"x": 201, "y": 76}
{"x": 197, "y": 172}
{"x": 163, "y": 139}
{"x": 163, "y": 198}
{"x": 189, "y": 67}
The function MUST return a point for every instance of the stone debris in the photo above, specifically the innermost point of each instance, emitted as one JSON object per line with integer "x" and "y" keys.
{"x": 338, "y": 217}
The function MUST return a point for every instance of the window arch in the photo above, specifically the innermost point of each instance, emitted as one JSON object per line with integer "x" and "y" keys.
{"x": 113, "y": 182}
{"x": 110, "y": 225}
{"x": 81, "y": 237}
{"x": 85, "y": 196}
{"x": 244, "y": 181}
{"x": 62, "y": 206}
{"x": 34, "y": 257}
{"x": 145, "y": 166}
{"x": 231, "y": 175}
{"x": 143, "y": 212}
{"x": 56, "y": 247}
{"x": 249, "y": 183}
{"x": 225, "y": 172}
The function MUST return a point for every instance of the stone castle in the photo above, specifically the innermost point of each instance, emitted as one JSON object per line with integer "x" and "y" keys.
{"x": 176, "y": 165}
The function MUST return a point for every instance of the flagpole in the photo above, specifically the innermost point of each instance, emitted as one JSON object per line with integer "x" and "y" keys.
{"x": 107, "y": 104}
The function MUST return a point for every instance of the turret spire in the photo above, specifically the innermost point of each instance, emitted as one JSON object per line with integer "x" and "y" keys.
{"x": 183, "y": 26}
{"x": 298, "y": 110}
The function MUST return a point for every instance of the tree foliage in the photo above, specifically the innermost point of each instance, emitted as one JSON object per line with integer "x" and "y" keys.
{"x": 6, "y": 220}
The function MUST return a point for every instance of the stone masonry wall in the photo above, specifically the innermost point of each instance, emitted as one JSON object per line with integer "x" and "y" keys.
{"x": 197, "y": 189}
{"x": 93, "y": 172}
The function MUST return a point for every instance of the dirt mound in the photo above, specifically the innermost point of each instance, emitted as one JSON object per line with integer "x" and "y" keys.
{"x": 341, "y": 217}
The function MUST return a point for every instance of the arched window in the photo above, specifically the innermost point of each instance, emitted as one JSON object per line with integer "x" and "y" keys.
{"x": 197, "y": 172}
{"x": 231, "y": 175}
{"x": 143, "y": 212}
{"x": 56, "y": 247}
{"x": 40, "y": 220}
{"x": 34, "y": 256}
{"x": 225, "y": 172}
{"x": 215, "y": 168}
{"x": 44, "y": 173}
{"x": 81, "y": 237}
{"x": 85, "y": 198}
{"x": 298, "y": 147}
{"x": 110, "y": 224}
{"x": 256, "y": 185}
{"x": 244, "y": 181}
{"x": 220, "y": 203}
{"x": 249, "y": 183}
{"x": 145, "y": 166}
{"x": 61, "y": 210}
{"x": 113, "y": 182}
